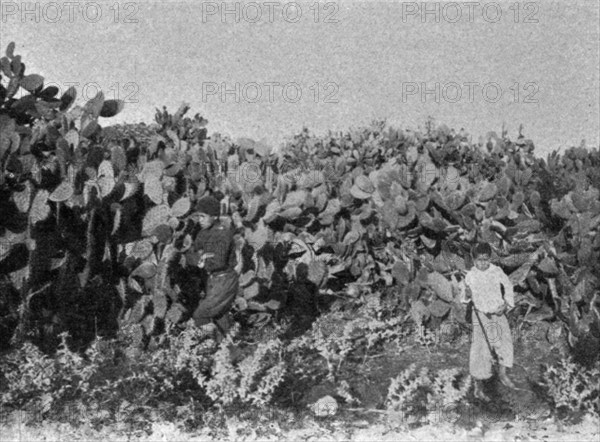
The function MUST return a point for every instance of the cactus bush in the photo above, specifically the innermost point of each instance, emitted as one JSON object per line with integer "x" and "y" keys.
{"x": 394, "y": 209}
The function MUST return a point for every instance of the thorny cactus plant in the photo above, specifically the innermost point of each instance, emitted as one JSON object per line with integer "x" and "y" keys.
{"x": 46, "y": 146}
{"x": 396, "y": 209}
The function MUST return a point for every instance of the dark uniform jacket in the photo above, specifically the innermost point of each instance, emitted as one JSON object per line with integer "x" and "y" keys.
{"x": 218, "y": 279}
{"x": 217, "y": 240}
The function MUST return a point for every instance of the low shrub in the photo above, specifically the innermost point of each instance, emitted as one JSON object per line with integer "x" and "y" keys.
{"x": 573, "y": 387}
{"x": 339, "y": 333}
{"x": 418, "y": 396}
{"x": 249, "y": 380}
{"x": 115, "y": 383}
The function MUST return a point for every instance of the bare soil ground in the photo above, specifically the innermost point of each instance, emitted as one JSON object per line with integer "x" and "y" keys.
{"x": 313, "y": 429}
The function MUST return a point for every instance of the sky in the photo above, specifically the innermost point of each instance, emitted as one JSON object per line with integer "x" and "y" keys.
{"x": 266, "y": 69}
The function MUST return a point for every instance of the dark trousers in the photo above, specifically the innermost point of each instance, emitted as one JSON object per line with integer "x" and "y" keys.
{"x": 221, "y": 290}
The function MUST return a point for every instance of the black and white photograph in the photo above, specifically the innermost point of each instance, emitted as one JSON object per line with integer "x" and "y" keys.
{"x": 301, "y": 220}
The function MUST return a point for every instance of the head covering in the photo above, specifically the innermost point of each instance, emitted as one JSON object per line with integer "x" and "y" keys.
{"x": 209, "y": 205}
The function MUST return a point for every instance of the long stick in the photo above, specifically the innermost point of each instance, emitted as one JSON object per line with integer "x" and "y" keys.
{"x": 485, "y": 335}
{"x": 494, "y": 356}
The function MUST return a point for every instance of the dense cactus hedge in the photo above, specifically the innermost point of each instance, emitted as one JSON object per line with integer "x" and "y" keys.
{"x": 95, "y": 220}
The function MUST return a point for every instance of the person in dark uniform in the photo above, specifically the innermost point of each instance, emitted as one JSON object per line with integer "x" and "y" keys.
{"x": 213, "y": 252}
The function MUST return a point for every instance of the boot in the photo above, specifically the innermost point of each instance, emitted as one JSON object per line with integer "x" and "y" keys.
{"x": 504, "y": 377}
{"x": 479, "y": 394}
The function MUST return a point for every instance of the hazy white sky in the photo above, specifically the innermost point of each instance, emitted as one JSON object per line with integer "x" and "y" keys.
{"x": 327, "y": 65}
